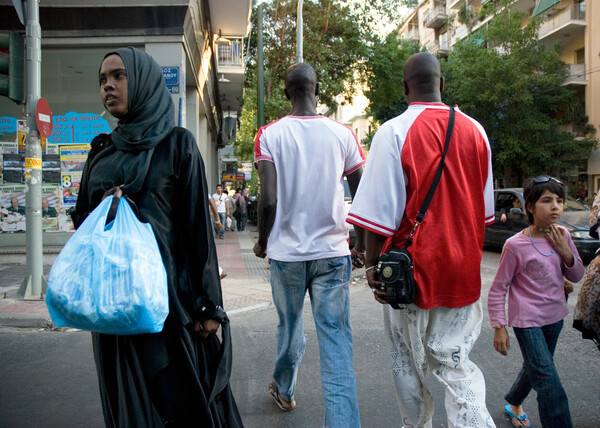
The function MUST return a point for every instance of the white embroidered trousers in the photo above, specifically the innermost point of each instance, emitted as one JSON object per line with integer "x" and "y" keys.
{"x": 437, "y": 340}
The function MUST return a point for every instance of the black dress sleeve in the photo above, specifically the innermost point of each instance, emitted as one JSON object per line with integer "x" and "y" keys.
{"x": 202, "y": 260}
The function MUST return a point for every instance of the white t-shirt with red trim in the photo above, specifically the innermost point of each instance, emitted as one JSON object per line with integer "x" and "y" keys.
{"x": 312, "y": 154}
{"x": 404, "y": 157}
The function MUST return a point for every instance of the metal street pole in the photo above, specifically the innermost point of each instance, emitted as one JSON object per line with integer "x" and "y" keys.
{"x": 261, "y": 70}
{"x": 299, "y": 36}
{"x": 32, "y": 285}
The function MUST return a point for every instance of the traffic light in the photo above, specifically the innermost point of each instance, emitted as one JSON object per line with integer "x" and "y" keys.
{"x": 12, "y": 50}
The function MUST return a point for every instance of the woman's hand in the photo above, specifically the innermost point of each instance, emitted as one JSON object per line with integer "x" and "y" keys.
{"x": 501, "y": 340}
{"x": 206, "y": 328}
{"x": 116, "y": 191}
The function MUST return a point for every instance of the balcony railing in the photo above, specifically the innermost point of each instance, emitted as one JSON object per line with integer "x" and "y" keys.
{"x": 575, "y": 75}
{"x": 412, "y": 34}
{"x": 230, "y": 53}
{"x": 440, "y": 47}
{"x": 562, "y": 18}
{"x": 436, "y": 16}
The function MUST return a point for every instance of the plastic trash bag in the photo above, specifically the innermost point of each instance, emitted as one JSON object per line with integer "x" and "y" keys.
{"x": 110, "y": 278}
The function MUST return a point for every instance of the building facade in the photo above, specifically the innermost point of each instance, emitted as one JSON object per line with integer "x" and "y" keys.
{"x": 575, "y": 24}
{"x": 198, "y": 43}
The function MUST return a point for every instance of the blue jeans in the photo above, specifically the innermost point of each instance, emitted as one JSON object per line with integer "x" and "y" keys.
{"x": 537, "y": 346}
{"x": 327, "y": 283}
{"x": 223, "y": 220}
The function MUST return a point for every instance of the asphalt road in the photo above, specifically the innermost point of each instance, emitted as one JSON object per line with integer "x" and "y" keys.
{"x": 48, "y": 379}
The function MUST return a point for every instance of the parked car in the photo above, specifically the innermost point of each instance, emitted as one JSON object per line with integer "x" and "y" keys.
{"x": 574, "y": 219}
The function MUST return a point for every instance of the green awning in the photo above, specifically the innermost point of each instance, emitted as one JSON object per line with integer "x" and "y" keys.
{"x": 543, "y": 5}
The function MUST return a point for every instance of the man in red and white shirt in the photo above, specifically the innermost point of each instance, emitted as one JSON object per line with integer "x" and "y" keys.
{"x": 439, "y": 329}
{"x": 302, "y": 160}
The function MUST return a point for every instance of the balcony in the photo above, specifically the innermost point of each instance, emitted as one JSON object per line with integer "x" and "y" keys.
{"x": 436, "y": 16}
{"x": 411, "y": 34}
{"x": 230, "y": 54}
{"x": 440, "y": 47}
{"x": 565, "y": 26}
{"x": 575, "y": 75}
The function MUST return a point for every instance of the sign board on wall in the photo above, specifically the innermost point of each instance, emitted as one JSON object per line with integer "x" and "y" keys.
{"x": 77, "y": 128}
{"x": 171, "y": 75}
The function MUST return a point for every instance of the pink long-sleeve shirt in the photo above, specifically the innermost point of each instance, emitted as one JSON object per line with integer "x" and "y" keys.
{"x": 534, "y": 283}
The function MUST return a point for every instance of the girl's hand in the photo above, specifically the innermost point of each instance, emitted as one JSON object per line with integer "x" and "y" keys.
{"x": 559, "y": 240}
{"x": 501, "y": 341}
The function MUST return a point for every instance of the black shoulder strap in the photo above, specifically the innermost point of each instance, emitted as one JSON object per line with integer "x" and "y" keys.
{"x": 436, "y": 179}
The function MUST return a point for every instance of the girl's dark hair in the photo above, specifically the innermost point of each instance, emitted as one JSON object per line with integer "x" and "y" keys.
{"x": 535, "y": 187}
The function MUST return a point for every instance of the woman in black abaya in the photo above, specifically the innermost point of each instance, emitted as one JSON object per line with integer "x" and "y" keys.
{"x": 179, "y": 377}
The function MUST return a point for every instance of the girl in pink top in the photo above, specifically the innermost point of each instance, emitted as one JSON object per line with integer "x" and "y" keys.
{"x": 532, "y": 270}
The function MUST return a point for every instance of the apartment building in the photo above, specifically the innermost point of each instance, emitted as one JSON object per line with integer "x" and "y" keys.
{"x": 439, "y": 24}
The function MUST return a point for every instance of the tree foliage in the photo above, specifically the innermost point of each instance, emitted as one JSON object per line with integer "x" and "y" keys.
{"x": 383, "y": 73}
{"x": 505, "y": 78}
{"x": 508, "y": 81}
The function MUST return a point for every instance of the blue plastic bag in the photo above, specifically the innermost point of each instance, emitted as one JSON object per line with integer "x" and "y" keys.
{"x": 110, "y": 278}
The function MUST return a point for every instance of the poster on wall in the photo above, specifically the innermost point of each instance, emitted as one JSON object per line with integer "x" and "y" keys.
{"x": 51, "y": 168}
{"x": 13, "y": 167}
{"x": 12, "y": 209}
{"x": 72, "y": 161}
{"x": 8, "y": 134}
{"x": 21, "y": 136}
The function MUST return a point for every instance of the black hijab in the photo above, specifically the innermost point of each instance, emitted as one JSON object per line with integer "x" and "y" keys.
{"x": 150, "y": 116}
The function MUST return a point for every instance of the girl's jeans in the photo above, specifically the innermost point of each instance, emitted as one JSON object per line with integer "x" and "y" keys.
{"x": 539, "y": 373}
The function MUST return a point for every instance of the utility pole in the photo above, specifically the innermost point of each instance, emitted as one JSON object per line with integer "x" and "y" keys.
{"x": 34, "y": 282}
{"x": 299, "y": 36}
{"x": 261, "y": 70}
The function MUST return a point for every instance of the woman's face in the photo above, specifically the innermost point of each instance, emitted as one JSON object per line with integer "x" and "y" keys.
{"x": 113, "y": 85}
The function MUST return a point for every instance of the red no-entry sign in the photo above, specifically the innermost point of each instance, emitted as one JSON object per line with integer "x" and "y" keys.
{"x": 43, "y": 118}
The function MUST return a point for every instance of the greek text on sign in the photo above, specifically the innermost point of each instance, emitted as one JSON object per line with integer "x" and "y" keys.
{"x": 171, "y": 76}
{"x": 33, "y": 163}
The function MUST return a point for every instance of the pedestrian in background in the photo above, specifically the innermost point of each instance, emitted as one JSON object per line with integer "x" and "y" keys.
{"x": 221, "y": 201}
{"x": 302, "y": 160}
{"x": 180, "y": 376}
{"x": 532, "y": 268}
{"x": 437, "y": 332}
{"x": 241, "y": 208}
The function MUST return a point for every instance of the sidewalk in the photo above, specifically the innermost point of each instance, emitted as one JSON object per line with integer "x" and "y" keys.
{"x": 246, "y": 286}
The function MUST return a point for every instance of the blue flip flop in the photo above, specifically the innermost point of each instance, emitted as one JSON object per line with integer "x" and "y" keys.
{"x": 521, "y": 418}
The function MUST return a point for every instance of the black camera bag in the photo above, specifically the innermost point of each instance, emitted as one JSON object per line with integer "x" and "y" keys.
{"x": 395, "y": 271}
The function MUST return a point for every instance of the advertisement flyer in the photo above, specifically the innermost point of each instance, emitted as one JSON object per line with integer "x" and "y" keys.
{"x": 72, "y": 161}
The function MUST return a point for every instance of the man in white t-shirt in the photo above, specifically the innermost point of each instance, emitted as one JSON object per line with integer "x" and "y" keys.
{"x": 220, "y": 200}
{"x": 302, "y": 160}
